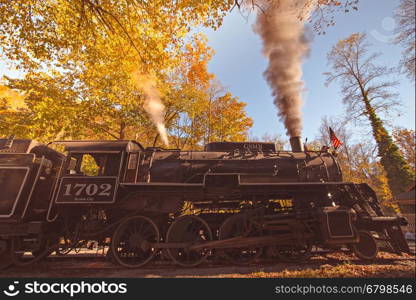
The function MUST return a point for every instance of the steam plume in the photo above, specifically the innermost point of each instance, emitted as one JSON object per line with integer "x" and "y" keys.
{"x": 153, "y": 104}
{"x": 280, "y": 24}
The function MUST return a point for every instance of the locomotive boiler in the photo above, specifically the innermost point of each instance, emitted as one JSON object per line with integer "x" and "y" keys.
{"x": 239, "y": 201}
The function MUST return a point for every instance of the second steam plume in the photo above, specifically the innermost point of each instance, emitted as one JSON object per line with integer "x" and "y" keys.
{"x": 153, "y": 104}
{"x": 280, "y": 25}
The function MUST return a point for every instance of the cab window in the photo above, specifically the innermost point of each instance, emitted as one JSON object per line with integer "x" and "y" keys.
{"x": 94, "y": 164}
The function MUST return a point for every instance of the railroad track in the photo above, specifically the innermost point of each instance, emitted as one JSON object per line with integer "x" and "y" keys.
{"x": 79, "y": 261}
{"x": 84, "y": 266}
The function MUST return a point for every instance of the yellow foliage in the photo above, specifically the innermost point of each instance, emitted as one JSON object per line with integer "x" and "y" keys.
{"x": 81, "y": 57}
{"x": 13, "y": 99}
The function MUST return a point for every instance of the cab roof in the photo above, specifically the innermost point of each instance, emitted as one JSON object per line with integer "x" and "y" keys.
{"x": 96, "y": 146}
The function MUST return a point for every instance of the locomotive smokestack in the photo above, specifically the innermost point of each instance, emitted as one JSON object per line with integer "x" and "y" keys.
{"x": 296, "y": 144}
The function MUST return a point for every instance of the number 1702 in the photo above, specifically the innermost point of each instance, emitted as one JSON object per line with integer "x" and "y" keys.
{"x": 90, "y": 189}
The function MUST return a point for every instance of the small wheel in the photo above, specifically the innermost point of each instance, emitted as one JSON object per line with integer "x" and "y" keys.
{"x": 24, "y": 253}
{"x": 188, "y": 229}
{"x": 131, "y": 241}
{"x": 366, "y": 248}
{"x": 293, "y": 252}
{"x": 5, "y": 258}
{"x": 237, "y": 226}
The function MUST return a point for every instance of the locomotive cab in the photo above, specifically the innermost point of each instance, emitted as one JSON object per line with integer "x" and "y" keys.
{"x": 94, "y": 169}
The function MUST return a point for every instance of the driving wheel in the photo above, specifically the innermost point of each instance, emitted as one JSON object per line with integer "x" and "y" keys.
{"x": 240, "y": 226}
{"x": 132, "y": 241}
{"x": 192, "y": 230}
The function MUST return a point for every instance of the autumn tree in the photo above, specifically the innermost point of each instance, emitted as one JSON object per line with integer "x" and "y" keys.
{"x": 36, "y": 31}
{"x": 80, "y": 58}
{"x": 49, "y": 31}
{"x": 405, "y": 31}
{"x": 49, "y": 110}
{"x": 231, "y": 123}
{"x": 14, "y": 115}
{"x": 405, "y": 140}
{"x": 97, "y": 103}
{"x": 367, "y": 93}
{"x": 101, "y": 42}
{"x": 365, "y": 166}
{"x": 203, "y": 110}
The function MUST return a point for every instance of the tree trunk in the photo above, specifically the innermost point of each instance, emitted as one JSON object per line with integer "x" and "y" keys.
{"x": 399, "y": 174}
{"x": 122, "y": 130}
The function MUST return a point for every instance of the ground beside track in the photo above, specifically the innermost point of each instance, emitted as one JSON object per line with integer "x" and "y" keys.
{"x": 321, "y": 265}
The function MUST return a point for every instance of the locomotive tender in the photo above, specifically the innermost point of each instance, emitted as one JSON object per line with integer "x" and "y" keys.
{"x": 233, "y": 200}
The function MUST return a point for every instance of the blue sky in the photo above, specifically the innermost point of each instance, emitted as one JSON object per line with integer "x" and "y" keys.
{"x": 239, "y": 65}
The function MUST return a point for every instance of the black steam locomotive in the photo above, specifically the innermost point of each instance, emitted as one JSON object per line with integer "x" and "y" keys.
{"x": 234, "y": 200}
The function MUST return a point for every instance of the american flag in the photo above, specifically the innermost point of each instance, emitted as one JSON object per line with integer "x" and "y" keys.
{"x": 334, "y": 140}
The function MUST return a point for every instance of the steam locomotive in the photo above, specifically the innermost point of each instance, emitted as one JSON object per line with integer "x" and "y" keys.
{"x": 237, "y": 201}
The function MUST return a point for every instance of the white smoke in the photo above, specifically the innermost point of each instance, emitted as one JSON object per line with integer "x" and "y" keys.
{"x": 153, "y": 104}
{"x": 280, "y": 24}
